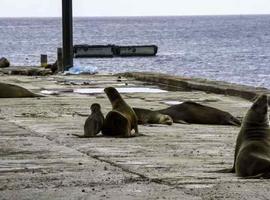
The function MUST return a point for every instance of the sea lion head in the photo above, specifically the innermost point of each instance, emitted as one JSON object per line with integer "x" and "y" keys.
{"x": 165, "y": 119}
{"x": 95, "y": 107}
{"x": 112, "y": 94}
{"x": 231, "y": 120}
{"x": 258, "y": 113}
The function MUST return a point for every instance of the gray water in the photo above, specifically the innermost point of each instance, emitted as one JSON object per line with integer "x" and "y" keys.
{"x": 228, "y": 48}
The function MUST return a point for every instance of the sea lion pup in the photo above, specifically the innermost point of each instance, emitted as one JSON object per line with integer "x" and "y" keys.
{"x": 122, "y": 119}
{"x": 94, "y": 123}
{"x": 146, "y": 116}
{"x": 194, "y": 113}
{"x": 252, "y": 151}
{"x": 14, "y": 91}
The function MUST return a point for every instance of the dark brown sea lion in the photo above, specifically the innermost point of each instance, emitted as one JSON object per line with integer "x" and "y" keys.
{"x": 194, "y": 113}
{"x": 14, "y": 91}
{"x": 94, "y": 123}
{"x": 146, "y": 116}
{"x": 122, "y": 119}
{"x": 254, "y": 132}
{"x": 252, "y": 151}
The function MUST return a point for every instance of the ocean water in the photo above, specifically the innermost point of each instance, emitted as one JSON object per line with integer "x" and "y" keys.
{"x": 228, "y": 48}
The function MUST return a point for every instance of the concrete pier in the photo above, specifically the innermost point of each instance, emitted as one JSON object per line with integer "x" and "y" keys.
{"x": 40, "y": 159}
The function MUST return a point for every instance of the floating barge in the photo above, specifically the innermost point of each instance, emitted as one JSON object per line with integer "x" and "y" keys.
{"x": 93, "y": 51}
{"x": 147, "y": 50}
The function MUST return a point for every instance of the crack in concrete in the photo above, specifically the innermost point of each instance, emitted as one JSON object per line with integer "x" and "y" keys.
{"x": 142, "y": 176}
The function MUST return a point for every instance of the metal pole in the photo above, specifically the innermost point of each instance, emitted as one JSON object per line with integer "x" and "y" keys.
{"x": 67, "y": 34}
{"x": 60, "y": 60}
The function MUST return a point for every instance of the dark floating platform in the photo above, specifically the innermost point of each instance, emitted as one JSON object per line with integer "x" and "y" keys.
{"x": 109, "y": 51}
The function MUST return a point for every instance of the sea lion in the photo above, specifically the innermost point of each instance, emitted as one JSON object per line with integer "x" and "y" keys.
{"x": 122, "y": 119}
{"x": 252, "y": 150}
{"x": 94, "y": 123}
{"x": 194, "y": 113}
{"x": 146, "y": 116}
{"x": 14, "y": 91}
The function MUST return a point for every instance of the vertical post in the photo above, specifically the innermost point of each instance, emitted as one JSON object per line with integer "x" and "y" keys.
{"x": 67, "y": 30}
{"x": 43, "y": 60}
{"x": 60, "y": 60}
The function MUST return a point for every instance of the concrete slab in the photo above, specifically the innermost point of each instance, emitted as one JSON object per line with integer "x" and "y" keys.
{"x": 42, "y": 159}
{"x": 33, "y": 167}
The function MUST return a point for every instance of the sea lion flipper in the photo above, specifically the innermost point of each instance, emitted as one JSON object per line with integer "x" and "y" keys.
{"x": 229, "y": 170}
{"x": 265, "y": 175}
{"x": 81, "y": 136}
{"x": 180, "y": 121}
{"x": 234, "y": 121}
{"x": 80, "y": 114}
{"x": 136, "y": 129}
{"x": 137, "y": 135}
{"x": 77, "y": 135}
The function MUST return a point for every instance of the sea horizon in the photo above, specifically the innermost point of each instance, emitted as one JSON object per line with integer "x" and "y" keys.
{"x": 136, "y": 16}
{"x": 231, "y": 48}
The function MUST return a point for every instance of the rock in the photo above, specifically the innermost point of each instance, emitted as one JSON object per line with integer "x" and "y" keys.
{"x": 4, "y": 62}
{"x": 26, "y": 71}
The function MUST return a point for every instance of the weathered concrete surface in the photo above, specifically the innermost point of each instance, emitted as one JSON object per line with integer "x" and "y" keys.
{"x": 33, "y": 167}
{"x": 41, "y": 159}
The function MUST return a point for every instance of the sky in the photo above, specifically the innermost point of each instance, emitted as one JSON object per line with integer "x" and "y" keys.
{"x": 52, "y": 8}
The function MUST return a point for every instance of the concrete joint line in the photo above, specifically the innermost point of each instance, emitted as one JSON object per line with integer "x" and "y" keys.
{"x": 143, "y": 177}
